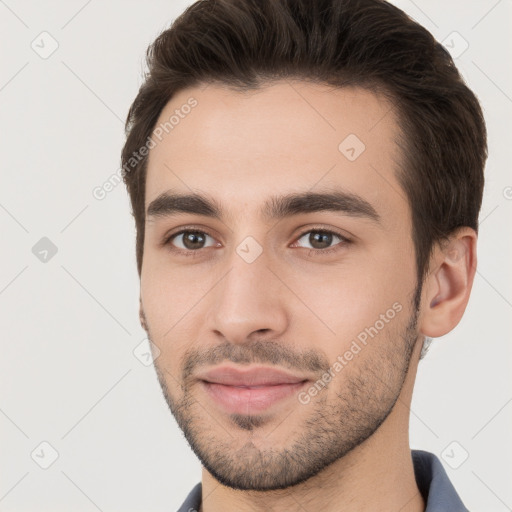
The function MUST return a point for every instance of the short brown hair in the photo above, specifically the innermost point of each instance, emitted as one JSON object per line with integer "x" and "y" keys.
{"x": 246, "y": 44}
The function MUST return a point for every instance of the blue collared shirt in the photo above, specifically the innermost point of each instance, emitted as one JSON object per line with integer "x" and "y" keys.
{"x": 431, "y": 478}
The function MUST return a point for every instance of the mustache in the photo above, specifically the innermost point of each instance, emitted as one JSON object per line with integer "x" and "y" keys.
{"x": 265, "y": 352}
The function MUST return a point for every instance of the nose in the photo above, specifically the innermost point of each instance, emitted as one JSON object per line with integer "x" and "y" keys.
{"x": 247, "y": 302}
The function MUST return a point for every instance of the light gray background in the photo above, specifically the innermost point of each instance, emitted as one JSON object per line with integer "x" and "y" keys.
{"x": 69, "y": 325}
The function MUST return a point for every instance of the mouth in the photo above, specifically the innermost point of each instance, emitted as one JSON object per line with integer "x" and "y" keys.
{"x": 250, "y": 399}
{"x": 250, "y": 391}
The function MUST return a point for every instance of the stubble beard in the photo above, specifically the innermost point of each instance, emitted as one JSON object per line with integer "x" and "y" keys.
{"x": 334, "y": 425}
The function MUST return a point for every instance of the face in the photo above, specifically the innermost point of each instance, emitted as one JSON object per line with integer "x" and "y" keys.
{"x": 280, "y": 291}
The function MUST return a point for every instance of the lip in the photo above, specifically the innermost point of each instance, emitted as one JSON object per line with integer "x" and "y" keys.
{"x": 249, "y": 391}
{"x": 253, "y": 376}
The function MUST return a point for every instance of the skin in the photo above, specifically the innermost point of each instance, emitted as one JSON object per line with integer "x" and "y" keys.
{"x": 289, "y": 308}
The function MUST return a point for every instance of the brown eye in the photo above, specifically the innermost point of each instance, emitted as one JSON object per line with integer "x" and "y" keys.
{"x": 189, "y": 240}
{"x": 321, "y": 239}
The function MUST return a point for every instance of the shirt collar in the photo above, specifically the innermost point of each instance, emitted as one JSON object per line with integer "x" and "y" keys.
{"x": 434, "y": 484}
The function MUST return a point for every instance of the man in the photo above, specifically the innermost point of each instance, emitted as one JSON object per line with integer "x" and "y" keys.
{"x": 305, "y": 177}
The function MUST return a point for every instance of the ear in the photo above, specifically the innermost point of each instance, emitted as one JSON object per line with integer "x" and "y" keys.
{"x": 142, "y": 317}
{"x": 448, "y": 284}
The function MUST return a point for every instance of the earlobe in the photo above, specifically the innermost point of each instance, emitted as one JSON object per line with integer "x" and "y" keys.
{"x": 448, "y": 285}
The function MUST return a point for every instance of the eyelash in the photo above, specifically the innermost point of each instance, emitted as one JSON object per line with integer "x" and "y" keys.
{"x": 311, "y": 252}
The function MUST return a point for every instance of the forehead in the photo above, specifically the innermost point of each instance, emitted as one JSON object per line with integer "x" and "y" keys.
{"x": 286, "y": 137}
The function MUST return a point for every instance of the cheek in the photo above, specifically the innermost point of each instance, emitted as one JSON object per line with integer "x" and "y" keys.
{"x": 167, "y": 302}
{"x": 347, "y": 302}
{"x": 170, "y": 298}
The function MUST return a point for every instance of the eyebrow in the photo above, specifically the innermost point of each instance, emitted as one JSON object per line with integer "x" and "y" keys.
{"x": 276, "y": 207}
